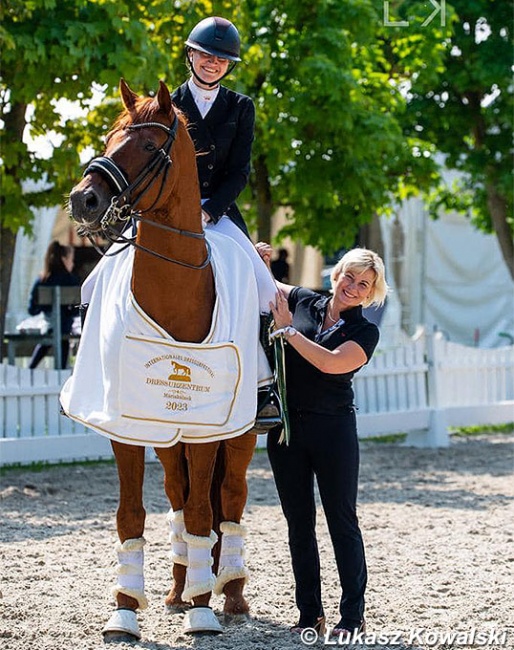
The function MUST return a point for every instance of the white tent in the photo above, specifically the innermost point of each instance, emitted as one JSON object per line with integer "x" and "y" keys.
{"x": 449, "y": 276}
{"x": 28, "y": 264}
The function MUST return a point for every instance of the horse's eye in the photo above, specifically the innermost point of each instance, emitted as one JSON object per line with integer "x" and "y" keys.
{"x": 149, "y": 146}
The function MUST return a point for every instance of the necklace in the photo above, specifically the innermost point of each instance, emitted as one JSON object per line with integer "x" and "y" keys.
{"x": 334, "y": 320}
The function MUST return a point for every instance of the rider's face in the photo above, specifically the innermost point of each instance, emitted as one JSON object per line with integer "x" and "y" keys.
{"x": 208, "y": 67}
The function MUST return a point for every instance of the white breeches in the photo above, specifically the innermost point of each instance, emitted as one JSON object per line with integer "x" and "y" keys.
{"x": 265, "y": 282}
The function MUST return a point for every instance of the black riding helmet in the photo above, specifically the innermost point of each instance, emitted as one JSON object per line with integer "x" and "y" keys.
{"x": 216, "y": 36}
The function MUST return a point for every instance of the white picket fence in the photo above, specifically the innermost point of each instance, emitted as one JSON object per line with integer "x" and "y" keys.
{"x": 431, "y": 384}
{"x": 420, "y": 389}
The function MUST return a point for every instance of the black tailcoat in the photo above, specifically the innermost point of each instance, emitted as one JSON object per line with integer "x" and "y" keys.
{"x": 223, "y": 143}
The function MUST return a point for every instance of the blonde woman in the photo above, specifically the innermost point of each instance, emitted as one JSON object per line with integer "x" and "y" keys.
{"x": 328, "y": 341}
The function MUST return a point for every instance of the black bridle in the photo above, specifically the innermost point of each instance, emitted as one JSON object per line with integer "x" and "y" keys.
{"x": 122, "y": 208}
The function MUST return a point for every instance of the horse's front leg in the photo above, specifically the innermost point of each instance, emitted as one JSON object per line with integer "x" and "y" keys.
{"x": 130, "y": 520}
{"x": 232, "y": 572}
{"x": 199, "y": 537}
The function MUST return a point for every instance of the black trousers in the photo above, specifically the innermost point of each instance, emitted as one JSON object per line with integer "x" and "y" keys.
{"x": 40, "y": 352}
{"x": 325, "y": 447}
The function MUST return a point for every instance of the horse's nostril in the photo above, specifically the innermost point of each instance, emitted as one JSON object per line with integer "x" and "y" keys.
{"x": 91, "y": 201}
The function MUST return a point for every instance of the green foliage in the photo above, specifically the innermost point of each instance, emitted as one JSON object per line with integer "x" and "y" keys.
{"x": 54, "y": 51}
{"x": 391, "y": 438}
{"x": 329, "y": 106}
{"x": 467, "y": 111}
{"x": 350, "y": 111}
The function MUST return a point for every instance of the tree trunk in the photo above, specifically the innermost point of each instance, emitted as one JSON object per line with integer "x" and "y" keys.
{"x": 7, "y": 244}
{"x": 496, "y": 203}
{"x": 14, "y": 126}
{"x": 498, "y": 210}
{"x": 263, "y": 200}
{"x": 370, "y": 236}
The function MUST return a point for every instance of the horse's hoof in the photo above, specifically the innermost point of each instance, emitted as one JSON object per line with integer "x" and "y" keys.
{"x": 178, "y": 608}
{"x": 122, "y": 626}
{"x": 235, "y": 619}
{"x": 119, "y": 637}
{"x": 201, "y": 619}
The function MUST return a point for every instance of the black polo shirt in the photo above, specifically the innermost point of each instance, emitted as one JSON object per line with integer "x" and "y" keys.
{"x": 307, "y": 387}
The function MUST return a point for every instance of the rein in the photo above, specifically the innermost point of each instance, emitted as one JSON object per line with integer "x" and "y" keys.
{"x": 122, "y": 210}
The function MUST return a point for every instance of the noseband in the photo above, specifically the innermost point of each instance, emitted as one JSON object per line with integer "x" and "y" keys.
{"x": 122, "y": 209}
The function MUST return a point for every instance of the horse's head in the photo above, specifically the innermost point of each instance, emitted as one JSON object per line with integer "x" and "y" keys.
{"x": 135, "y": 173}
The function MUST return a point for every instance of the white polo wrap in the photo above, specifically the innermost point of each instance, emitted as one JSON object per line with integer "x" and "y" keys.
{"x": 131, "y": 580}
{"x": 199, "y": 576}
{"x": 231, "y": 564}
{"x": 178, "y": 553}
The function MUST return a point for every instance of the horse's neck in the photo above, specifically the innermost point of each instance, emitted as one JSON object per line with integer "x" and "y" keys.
{"x": 180, "y": 299}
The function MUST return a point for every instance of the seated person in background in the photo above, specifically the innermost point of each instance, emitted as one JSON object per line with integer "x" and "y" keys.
{"x": 57, "y": 271}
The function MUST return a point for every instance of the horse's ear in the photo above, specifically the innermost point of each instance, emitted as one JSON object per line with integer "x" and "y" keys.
{"x": 164, "y": 98}
{"x": 127, "y": 95}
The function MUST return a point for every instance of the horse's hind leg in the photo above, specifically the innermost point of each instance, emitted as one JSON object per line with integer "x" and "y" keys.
{"x": 188, "y": 473}
{"x": 173, "y": 460}
{"x": 130, "y": 520}
{"x": 232, "y": 572}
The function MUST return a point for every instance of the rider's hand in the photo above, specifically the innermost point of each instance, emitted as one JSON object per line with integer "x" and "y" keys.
{"x": 265, "y": 251}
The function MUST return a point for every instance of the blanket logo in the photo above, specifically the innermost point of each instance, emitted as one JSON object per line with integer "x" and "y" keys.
{"x": 178, "y": 385}
{"x": 193, "y": 385}
{"x": 180, "y": 372}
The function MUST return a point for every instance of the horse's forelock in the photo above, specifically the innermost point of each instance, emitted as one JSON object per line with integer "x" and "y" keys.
{"x": 145, "y": 110}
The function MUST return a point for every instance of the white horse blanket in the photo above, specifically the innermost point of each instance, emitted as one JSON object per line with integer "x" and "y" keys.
{"x": 134, "y": 383}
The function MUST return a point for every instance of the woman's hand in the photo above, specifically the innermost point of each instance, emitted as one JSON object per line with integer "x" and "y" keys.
{"x": 281, "y": 314}
{"x": 265, "y": 251}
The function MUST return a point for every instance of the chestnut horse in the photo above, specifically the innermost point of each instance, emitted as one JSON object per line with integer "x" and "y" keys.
{"x": 148, "y": 171}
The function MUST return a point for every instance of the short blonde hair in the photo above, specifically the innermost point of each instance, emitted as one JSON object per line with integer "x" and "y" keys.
{"x": 360, "y": 260}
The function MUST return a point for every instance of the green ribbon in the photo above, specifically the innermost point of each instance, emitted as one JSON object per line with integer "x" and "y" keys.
{"x": 280, "y": 377}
